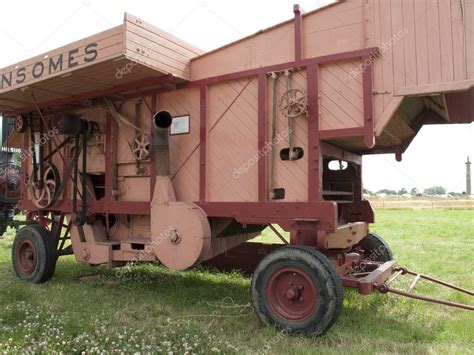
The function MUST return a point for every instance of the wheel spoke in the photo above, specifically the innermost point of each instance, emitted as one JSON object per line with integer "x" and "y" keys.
{"x": 43, "y": 197}
{"x": 140, "y": 146}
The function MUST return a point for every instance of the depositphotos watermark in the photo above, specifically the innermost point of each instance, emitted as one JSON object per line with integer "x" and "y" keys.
{"x": 43, "y": 139}
{"x": 384, "y": 47}
{"x": 275, "y": 340}
{"x": 381, "y": 250}
{"x": 149, "y": 250}
{"x": 262, "y": 153}
{"x": 126, "y": 69}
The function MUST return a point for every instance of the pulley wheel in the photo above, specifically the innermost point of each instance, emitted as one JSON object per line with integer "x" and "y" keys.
{"x": 294, "y": 103}
{"x": 141, "y": 146}
{"x": 181, "y": 234}
{"x": 46, "y": 195}
{"x": 21, "y": 124}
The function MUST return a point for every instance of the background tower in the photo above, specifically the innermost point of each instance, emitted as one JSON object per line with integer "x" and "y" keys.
{"x": 468, "y": 177}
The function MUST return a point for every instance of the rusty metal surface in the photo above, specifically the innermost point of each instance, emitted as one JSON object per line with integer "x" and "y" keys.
{"x": 366, "y": 284}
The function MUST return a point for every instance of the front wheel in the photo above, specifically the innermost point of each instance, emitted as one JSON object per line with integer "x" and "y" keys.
{"x": 297, "y": 289}
{"x": 34, "y": 254}
{"x": 374, "y": 248}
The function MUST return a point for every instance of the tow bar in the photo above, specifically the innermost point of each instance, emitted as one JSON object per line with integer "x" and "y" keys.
{"x": 377, "y": 276}
{"x": 385, "y": 288}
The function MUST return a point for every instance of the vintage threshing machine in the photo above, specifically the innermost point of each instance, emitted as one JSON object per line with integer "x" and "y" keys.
{"x": 145, "y": 148}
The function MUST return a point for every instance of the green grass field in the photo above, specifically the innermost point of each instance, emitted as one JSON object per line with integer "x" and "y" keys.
{"x": 153, "y": 310}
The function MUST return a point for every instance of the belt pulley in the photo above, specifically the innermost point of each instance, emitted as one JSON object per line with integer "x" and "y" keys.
{"x": 45, "y": 179}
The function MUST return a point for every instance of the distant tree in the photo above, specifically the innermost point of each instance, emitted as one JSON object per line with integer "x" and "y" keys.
{"x": 414, "y": 191}
{"x": 387, "y": 192}
{"x": 368, "y": 192}
{"x": 403, "y": 191}
{"x": 435, "y": 190}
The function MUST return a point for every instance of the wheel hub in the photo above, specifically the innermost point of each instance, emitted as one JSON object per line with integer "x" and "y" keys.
{"x": 26, "y": 256}
{"x": 292, "y": 294}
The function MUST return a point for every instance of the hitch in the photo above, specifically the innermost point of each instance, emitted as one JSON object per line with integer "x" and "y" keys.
{"x": 385, "y": 288}
{"x": 379, "y": 275}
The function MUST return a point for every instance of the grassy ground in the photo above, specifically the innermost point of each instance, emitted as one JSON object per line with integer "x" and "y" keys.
{"x": 151, "y": 309}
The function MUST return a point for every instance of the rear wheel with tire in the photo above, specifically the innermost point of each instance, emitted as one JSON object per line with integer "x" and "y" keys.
{"x": 34, "y": 254}
{"x": 374, "y": 248}
{"x": 297, "y": 289}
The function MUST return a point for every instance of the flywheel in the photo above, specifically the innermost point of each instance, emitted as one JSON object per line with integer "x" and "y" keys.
{"x": 45, "y": 193}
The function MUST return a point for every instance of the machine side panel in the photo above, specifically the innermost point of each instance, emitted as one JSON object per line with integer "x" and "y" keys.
{"x": 341, "y": 95}
{"x": 427, "y": 46}
{"x": 232, "y": 129}
{"x": 184, "y": 148}
{"x": 334, "y": 29}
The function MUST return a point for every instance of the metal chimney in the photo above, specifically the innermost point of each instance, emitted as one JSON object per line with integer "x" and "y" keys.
{"x": 162, "y": 121}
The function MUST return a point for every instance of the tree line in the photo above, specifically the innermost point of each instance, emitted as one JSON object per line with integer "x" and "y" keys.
{"x": 430, "y": 191}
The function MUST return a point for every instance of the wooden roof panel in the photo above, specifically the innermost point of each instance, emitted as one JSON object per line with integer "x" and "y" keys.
{"x": 132, "y": 52}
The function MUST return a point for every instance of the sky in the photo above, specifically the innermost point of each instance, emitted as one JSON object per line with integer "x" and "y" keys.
{"x": 28, "y": 28}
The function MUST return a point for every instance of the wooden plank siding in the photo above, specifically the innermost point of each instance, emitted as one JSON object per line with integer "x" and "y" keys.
{"x": 157, "y": 49}
{"x": 130, "y": 52}
{"x": 334, "y": 29}
{"x": 271, "y": 47}
{"x": 435, "y": 53}
{"x": 232, "y": 146}
{"x": 290, "y": 175}
{"x": 420, "y": 40}
{"x": 341, "y": 95}
{"x": 469, "y": 37}
{"x": 109, "y": 46}
{"x": 98, "y": 77}
{"x": 184, "y": 149}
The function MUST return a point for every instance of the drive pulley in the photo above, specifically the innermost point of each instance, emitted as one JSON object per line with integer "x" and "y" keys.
{"x": 45, "y": 190}
{"x": 294, "y": 103}
{"x": 141, "y": 146}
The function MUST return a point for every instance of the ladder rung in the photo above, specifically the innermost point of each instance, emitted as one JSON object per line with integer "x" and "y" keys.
{"x": 413, "y": 284}
{"x": 394, "y": 277}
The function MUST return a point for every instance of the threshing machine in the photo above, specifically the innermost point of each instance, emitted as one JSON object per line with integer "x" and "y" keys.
{"x": 145, "y": 148}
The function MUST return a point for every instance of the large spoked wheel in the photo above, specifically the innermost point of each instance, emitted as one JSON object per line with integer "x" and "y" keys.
{"x": 294, "y": 103}
{"x": 45, "y": 196}
{"x": 141, "y": 146}
{"x": 374, "y": 248}
{"x": 34, "y": 254}
{"x": 297, "y": 289}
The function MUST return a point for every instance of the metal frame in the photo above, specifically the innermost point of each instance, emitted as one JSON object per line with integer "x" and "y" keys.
{"x": 263, "y": 211}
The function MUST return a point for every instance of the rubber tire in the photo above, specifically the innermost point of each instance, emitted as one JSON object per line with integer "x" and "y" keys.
{"x": 375, "y": 242}
{"x": 45, "y": 253}
{"x": 323, "y": 273}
